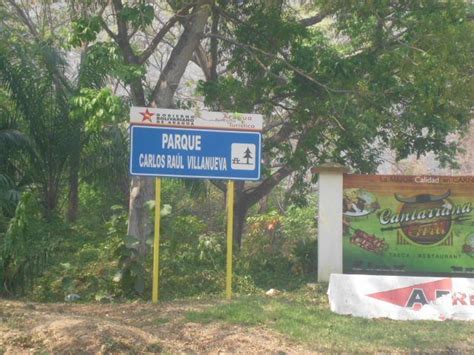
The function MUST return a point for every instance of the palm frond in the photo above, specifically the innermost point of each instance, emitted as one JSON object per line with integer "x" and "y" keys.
{"x": 9, "y": 195}
{"x": 196, "y": 188}
{"x": 5, "y": 182}
{"x": 12, "y": 138}
{"x": 41, "y": 100}
{"x": 97, "y": 63}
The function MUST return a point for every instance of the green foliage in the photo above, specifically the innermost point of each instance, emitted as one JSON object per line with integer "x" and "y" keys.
{"x": 192, "y": 260}
{"x": 112, "y": 269}
{"x": 104, "y": 166}
{"x": 9, "y": 196}
{"x": 128, "y": 73}
{"x": 280, "y": 249}
{"x": 421, "y": 73}
{"x": 96, "y": 108}
{"x": 98, "y": 261}
{"x": 12, "y": 144}
{"x": 140, "y": 15}
{"x": 71, "y": 123}
{"x": 85, "y": 30}
{"x": 131, "y": 273}
{"x": 104, "y": 60}
{"x": 88, "y": 265}
{"x": 104, "y": 263}
{"x": 377, "y": 75}
{"x": 43, "y": 109}
{"x": 29, "y": 245}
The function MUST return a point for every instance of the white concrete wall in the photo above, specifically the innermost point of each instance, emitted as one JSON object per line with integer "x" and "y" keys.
{"x": 330, "y": 224}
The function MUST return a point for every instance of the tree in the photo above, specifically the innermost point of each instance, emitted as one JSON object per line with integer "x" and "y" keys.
{"x": 132, "y": 22}
{"x": 35, "y": 44}
{"x": 343, "y": 83}
{"x": 11, "y": 142}
{"x": 45, "y": 119}
{"x": 121, "y": 38}
{"x": 374, "y": 76}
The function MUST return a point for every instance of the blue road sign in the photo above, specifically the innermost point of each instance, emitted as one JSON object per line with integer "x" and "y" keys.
{"x": 195, "y": 153}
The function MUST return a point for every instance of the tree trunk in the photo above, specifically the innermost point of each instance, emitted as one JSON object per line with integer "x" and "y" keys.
{"x": 73, "y": 200}
{"x": 140, "y": 224}
{"x": 74, "y": 166}
{"x": 263, "y": 205}
{"x": 142, "y": 188}
{"x": 51, "y": 197}
{"x": 246, "y": 198}
{"x": 240, "y": 212}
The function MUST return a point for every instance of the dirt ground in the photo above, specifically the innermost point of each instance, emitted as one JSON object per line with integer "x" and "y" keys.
{"x": 127, "y": 328}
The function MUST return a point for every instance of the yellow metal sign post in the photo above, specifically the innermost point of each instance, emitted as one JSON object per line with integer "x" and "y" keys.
{"x": 230, "y": 239}
{"x": 156, "y": 241}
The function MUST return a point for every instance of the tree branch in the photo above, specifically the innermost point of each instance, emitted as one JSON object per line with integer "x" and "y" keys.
{"x": 283, "y": 134}
{"x": 284, "y": 61}
{"x": 313, "y": 20}
{"x": 228, "y": 16}
{"x": 201, "y": 59}
{"x": 162, "y": 32}
{"x": 26, "y": 20}
{"x": 219, "y": 184}
{"x": 59, "y": 79}
{"x": 180, "y": 56}
{"x": 123, "y": 41}
{"x": 121, "y": 24}
{"x": 108, "y": 30}
{"x": 254, "y": 194}
{"x": 213, "y": 48}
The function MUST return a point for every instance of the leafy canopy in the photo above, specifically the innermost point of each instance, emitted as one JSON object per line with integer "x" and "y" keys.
{"x": 373, "y": 76}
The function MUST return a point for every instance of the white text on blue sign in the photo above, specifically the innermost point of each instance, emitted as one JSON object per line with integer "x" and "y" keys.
{"x": 163, "y": 151}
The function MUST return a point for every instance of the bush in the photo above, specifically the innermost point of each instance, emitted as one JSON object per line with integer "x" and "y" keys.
{"x": 279, "y": 250}
{"x": 192, "y": 259}
{"x": 29, "y": 245}
{"x": 47, "y": 260}
{"x": 87, "y": 265}
{"x": 192, "y": 263}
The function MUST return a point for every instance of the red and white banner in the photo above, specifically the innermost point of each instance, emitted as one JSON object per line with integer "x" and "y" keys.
{"x": 151, "y": 116}
{"x": 403, "y": 298}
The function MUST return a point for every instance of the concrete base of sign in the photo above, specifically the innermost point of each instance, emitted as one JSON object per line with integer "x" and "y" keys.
{"x": 330, "y": 219}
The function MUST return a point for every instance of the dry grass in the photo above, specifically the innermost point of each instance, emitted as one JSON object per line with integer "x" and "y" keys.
{"x": 297, "y": 322}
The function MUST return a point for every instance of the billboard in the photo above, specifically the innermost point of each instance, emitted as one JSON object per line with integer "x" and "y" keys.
{"x": 408, "y": 225}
